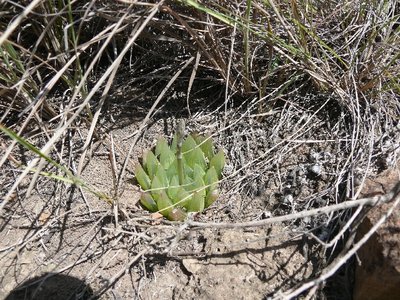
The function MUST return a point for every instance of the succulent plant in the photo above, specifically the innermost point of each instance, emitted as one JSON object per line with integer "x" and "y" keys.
{"x": 181, "y": 177}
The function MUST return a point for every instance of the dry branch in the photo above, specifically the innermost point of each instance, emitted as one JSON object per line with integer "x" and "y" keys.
{"x": 372, "y": 201}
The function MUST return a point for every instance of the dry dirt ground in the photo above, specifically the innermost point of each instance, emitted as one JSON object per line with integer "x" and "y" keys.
{"x": 63, "y": 242}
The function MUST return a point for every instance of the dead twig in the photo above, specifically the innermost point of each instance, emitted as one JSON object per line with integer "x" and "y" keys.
{"x": 346, "y": 254}
{"x": 372, "y": 201}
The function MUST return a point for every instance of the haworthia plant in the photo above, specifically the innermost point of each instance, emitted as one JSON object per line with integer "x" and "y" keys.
{"x": 181, "y": 177}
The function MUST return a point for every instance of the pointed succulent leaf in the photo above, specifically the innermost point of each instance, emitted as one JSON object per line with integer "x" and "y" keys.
{"x": 198, "y": 185}
{"x": 211, "y": 196}
{"x": 188, "y": 173}
{"x": 164, "y": 204}
{"x": 182, "y": 197}
{"x": 206, "y": 145}
{"x": 161, "y": 175}
{"x": 166, "y": 156}
{"x": 156, "y": 188}
{"x": 177, "y": 214}
{"x": 188, "y": 144}
{"x": 161, "y": 146}
{"x": 142, "y": 177}
{"x": 211, "y": 179}
{"x": 198, "y": 172}
{"x": 218, "y": 162}
{"x": 197, "y": 137}
{"x": 147, "y": 201}
{"x": 151, "y": 163}
{"x": 196, "y": 203}
{"x": 196, "y": 156}
{"x": 172, "y": 170}
{"x": 173, "y": 189}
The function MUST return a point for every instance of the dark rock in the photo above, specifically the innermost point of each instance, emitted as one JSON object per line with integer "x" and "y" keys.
{"x": 378, "y": 276}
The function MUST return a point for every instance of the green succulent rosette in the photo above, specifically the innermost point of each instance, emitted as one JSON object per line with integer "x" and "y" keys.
{"x": 181, "y": 177}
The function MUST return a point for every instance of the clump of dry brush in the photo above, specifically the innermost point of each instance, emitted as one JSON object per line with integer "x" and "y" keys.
{"x": 267, "y": 50}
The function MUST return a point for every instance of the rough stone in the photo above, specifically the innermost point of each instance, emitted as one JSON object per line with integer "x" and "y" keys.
{"x": 378, "y": 275}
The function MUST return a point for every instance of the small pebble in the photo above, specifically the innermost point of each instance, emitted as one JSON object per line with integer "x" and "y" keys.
{"x": 316, "y": 169}
{"x": 288, "y": 199}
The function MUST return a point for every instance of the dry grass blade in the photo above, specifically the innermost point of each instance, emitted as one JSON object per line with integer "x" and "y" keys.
{"x": 214, "y": 57}
{"x": 191, "y": 80}
{"x": 4, "y": 36}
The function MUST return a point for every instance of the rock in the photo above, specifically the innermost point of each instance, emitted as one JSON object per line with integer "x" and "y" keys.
{"x": 378, "y": 276}
{"x": 315, "y": 169}
{"x": 193, "y": 266}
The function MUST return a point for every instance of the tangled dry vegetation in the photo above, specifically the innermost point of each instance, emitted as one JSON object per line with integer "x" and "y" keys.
{"x": 303, "y": 96}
